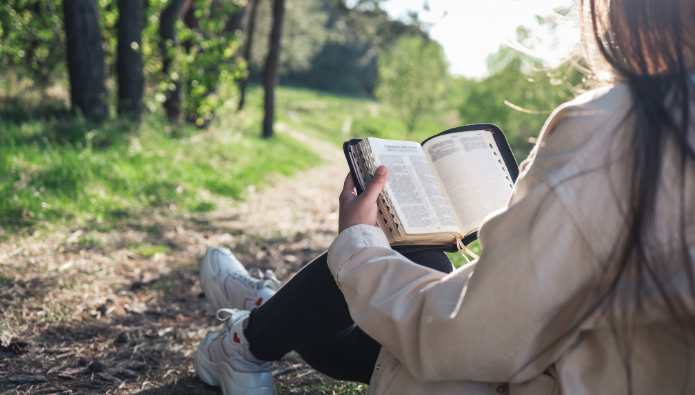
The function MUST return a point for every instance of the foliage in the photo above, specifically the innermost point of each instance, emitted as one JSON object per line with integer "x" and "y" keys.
{"x": 304, "y": 33}
{"x": 31, "y": 39}
{"x": 32, "y": 45}
{"x": 368, "y": 22}
{"x": 412, "y": 78}
{"x": 62, "y": 169}
{"x": 513, "y": 78}
{"x": 355, "y": 36}
{"x": 321, "y": 40}
{"x": 206, "y": 57}
{"x": 108, "y": 18}
{"x": 518, "y": 96}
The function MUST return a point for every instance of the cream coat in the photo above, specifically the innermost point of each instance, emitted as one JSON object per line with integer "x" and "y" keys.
{"x": 491, "y": 326}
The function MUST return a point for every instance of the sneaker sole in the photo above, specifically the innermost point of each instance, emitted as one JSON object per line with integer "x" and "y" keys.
{"x": 233, "y": 383}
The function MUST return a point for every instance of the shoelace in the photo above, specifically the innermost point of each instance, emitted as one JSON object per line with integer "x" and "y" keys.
{"x": 245, "y": 278}
{"x": 268, "y": 276}
{"x": 228, "y": 311}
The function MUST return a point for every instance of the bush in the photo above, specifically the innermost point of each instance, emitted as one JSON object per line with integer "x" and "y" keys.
{"x": 412, "y": 78}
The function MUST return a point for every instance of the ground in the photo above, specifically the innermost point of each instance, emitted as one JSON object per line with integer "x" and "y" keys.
{"x": 121, "y": 311}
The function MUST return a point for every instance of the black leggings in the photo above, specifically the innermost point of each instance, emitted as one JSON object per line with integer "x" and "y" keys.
{"x": 309, "y": 315}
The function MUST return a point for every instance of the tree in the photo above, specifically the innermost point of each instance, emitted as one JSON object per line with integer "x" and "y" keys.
{"x": 168, "y": 45}
{"x": 412, "y": 77}
{"x": 329, "y": 46}
{"x": 32, "y": 40}
{"x": 205, "y": 56}
{"x": 85, "y": 57}
{"x": 518, "y": 94}
{"x": 129, "y": 59}
{"x": 248, "y": 45}
{"x": 304, "y": 33}
{"x": 270, "y": 73}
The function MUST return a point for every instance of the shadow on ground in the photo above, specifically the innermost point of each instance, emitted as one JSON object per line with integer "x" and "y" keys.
{"x": 117, "y": 307}
{"x": 147, "y": 314}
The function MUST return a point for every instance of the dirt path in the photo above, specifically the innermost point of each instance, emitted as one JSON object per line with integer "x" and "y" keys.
{"x": 121, "y": 311}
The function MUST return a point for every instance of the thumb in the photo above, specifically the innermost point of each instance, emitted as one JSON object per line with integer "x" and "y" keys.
{"x": 376, "y": 185}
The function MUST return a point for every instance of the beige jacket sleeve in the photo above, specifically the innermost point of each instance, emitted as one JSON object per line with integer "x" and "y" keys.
{"x": 496, "y": 319}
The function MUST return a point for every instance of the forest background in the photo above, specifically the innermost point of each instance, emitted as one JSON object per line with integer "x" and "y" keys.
{"x": 344, "y": 72}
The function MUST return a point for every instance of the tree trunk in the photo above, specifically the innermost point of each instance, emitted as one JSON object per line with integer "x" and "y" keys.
{"x": 85, "y": 58}
{"x": 167, "y": 32}
{"x": 248, "y": 41}
{"x": 270, "y": 74}
{"x": 238, "y": 20}
{"x": 129, "y": 60}
{"x": 190, "y": 19}
{"x": 192, "y": 22}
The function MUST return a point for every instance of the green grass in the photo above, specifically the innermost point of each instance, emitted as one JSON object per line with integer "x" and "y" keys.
{"x": 458, "y": 260}
{"x": 59, "y": 168}
{"x": 56, "y": 168}
{"x": 148, "y": 249}
{"x": 89, "y": 241}
{"x": 338, "y": 118}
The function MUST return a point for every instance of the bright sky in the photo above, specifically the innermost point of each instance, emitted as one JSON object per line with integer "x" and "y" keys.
{"x": 470, "y": 30}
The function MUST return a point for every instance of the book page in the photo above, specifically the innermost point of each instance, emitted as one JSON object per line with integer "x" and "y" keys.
{"x": 413, "y": 187}
{"x": 473, "y": 174}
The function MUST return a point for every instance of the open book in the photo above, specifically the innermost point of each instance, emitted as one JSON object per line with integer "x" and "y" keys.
{"x": 439, "y": 191}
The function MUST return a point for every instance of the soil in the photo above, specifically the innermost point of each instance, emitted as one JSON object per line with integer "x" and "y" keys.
{"x": 121, "y": 311}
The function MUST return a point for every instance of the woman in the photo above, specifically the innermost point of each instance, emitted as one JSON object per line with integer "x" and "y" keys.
{"x": 586, "y": 282}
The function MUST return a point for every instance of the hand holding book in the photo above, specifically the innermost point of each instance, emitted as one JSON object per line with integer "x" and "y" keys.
{"x": 438, "y": 192}
{"x": 362, "y": 209}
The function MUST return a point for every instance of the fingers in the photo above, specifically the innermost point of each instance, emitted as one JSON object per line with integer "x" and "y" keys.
{"x": 376, "y": 185}
{"x": 348, "y": 186}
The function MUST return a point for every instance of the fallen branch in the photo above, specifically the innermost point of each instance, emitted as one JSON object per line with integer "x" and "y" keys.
{"x": 65, "y": 355}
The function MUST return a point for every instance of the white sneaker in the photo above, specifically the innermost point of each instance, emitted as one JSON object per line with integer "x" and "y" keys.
{"x": 227, "y": 284}
{"x": 223, "y": 359}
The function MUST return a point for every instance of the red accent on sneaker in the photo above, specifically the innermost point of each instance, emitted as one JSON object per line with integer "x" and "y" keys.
{"x": 236, "y": 338}
{"x": 259, "y": 302}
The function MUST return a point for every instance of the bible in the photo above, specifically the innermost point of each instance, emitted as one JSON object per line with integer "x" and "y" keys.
{"x": 437, "y": 192}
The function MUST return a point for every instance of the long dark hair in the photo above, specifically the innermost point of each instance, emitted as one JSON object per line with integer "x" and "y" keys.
{"x": 649, "y": 44}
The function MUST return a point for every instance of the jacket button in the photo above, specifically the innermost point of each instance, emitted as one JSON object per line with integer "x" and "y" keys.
{"x": 378, "y": 366}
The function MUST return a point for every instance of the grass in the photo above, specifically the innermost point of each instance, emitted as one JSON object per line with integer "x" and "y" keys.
{"x": 61, "y": 168}
{"x": 458, "y": 260}
{"x": 56, "y": 168}
{"x": 338, "y": 118}
{"x": 148, "y": 249}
